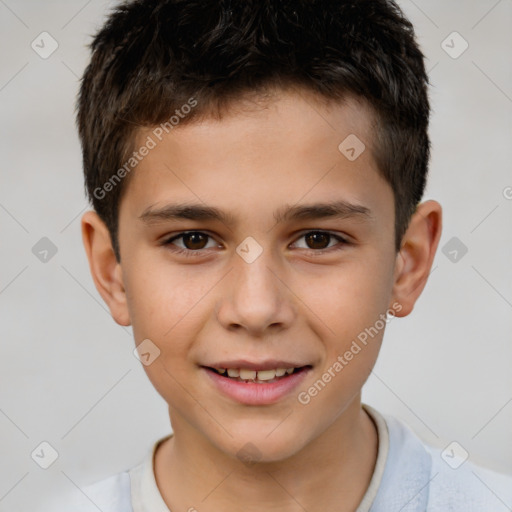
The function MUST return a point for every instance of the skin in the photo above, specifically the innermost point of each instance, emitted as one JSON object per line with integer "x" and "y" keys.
{"x": 293, "y": 302}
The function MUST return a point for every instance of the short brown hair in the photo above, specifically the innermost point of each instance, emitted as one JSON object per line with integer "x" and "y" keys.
{"x": 154, "y": 56}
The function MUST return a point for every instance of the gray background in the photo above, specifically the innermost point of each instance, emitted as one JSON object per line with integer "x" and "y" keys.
{"x": 68, "y": 373}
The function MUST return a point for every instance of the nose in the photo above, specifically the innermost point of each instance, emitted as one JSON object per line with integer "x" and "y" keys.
{"x": 255, "y": 298}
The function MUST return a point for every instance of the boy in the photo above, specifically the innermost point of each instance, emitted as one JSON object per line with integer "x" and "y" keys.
{"x": 256, "y": 170}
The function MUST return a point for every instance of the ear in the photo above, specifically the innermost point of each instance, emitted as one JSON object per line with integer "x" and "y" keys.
{"x": 414, "y": 260}
{"x": 105, "y": 269}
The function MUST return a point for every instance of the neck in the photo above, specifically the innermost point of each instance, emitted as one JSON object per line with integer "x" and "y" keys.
{"x": 330, "y": 473}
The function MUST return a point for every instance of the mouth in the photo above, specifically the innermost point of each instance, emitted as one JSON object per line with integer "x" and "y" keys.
{"x": 253, "y": 384}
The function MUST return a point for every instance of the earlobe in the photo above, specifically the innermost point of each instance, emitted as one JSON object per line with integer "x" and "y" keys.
{"x": 105, "y": 269}
{"x": 414, "y": 261}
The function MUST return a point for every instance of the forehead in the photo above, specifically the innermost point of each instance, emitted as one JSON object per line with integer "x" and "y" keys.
{"x": 295, "y": 110}
{"x": 289, "y": 148}
{"x": 294, "y": 116}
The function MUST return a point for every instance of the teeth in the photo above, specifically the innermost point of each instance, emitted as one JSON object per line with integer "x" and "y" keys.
{"x": 266, "y": 374}
{"x": 261, "y": 375}
{"x": 247, "y": 374}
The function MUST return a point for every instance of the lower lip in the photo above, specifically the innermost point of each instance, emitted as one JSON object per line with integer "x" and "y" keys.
{"x": 252, "y": 393}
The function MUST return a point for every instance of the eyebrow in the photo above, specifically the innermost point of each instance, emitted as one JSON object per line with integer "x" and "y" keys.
{"x": 201, "y": 212}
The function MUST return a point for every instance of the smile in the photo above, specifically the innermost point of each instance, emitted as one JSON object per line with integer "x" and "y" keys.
{"x": 255, "y": 386}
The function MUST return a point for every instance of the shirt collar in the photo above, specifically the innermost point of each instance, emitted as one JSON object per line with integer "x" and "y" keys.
{"x": 400, "y": 480}
{"x": 407, "y": 474}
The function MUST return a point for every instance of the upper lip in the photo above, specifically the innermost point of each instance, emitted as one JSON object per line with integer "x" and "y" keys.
{"x": 267, "y": 364}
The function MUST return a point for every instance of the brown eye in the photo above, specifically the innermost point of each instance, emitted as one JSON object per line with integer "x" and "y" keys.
{"x": 317, "y": 240}
{"x": 320, "y": 241}
{"x": 190, "y": 243}
{"x": 194, "y": 241}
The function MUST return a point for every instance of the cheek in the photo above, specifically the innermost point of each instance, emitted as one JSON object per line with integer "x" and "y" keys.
{"x": 166, "y": 318}
{"x": 358, "y": 303}
{"x": 159, "y": 314}
{"x": 163, "y": 299}
{"x": 351, "y": 299}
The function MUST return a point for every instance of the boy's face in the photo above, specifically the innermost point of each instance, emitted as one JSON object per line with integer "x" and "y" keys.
{"x": 299, "y": 303}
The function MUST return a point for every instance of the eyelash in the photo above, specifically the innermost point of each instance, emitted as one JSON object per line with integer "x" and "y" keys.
{"x": 200, "y": 252}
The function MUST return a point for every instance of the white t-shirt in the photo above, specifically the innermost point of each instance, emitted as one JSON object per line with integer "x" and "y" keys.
{"x": 409, "y": 476}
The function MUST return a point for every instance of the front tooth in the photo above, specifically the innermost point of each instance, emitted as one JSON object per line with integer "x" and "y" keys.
{"x": 280, "y": 372}
{"x": 289, "y": 370}
{"x": 247, "y": 374}
{"x": 233, "y": 372}
{"x": 266, "y": 374}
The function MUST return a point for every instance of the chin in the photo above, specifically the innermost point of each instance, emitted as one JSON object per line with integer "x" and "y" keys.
{"x": 255, "y": 445}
